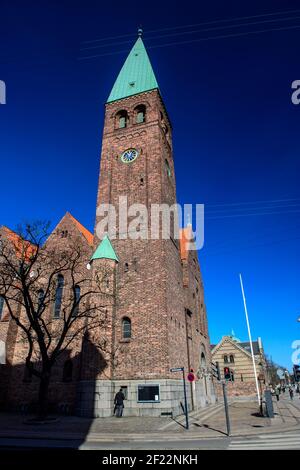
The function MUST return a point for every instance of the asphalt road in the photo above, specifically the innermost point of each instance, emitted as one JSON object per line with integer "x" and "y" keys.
{"x": 276, "y": 441}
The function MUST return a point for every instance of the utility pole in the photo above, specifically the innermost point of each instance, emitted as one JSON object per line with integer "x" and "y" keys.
{"x": 250, "y": 339}
{"x": 217, "y": 374}
{"x": 185, "y": 402}
{"x": 226, "y": 407}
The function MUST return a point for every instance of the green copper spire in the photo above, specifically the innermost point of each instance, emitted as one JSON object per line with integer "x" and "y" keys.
{"x": 105, "y": 250}
{"x": 233, "y": 337}
{"x": 136, "y": 75}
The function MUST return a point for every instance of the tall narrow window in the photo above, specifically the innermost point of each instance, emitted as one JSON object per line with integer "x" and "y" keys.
{"x": 140, "y": 114}
{"x": 126, "y": 328}
{"x": 1, "y": 306}
{"x": 77, "y": 299}
{"x": 225, "y": 359}
{"x": 122, "y": 119}
{"x": 231, "y": 358}
{"x": 58, "y": 295}
{"x": 168, "y": 168}
{"x": 68, "y": 371}
{"x": 41, "y": 296}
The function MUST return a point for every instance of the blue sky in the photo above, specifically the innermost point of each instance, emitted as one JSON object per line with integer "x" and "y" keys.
{"x": 235, "y": 131}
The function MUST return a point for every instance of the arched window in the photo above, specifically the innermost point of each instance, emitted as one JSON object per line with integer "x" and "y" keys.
{"x": 122, "y": 119}
{"x": 168, "y": 168}
{"x": 64, "y": 234}
{"x": 68, "y": 371}
{"x": 1, "y": 306}
{"x": 164, "y": 128}
{"x": 126, "y": 267}
{"x": 231, "y": 358}
{"x": 77, "y": 298}
{"x": 58, "y": 295}
{"x": 126, "y": 328}
{"x": 41, "y": 296}
{"x": 226, "y": 359}
{"x": 140, "y": 114}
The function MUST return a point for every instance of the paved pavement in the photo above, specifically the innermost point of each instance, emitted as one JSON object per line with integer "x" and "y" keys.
{"x": 207, "y": 430}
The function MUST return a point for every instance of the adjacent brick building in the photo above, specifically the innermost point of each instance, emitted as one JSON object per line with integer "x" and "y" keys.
{"x": 235, "y": 355}
{"x": 156, "y": 319}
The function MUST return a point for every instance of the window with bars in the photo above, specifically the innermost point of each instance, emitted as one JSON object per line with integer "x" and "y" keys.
{"x": 77, "y": 299}
{"x": 1, "y": 306}
{"x": 41, "y": 296}
{"x": 140, "y": 114}
{"x": 126, "y": 328}
{"x": 58, "y": 295}
{"x": 168, "y": 168}
{"x": 122, "y": 119}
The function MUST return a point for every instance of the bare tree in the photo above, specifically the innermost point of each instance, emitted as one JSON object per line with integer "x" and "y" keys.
{"x": 31, "y": 273}
{"x": 272, "y": 371}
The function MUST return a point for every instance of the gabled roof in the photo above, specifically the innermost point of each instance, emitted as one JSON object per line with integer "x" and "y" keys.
{"x": 105, "y": 250}
{"x": 136, "y": 75}
{"x": 85, "y": 232}
{"x": 24, "y": 249}
{"x": 228, "y": 339}
{"x": 255, "y": 346}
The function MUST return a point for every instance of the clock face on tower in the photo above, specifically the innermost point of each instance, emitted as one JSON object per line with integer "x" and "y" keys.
{"x": 129, "y": 155}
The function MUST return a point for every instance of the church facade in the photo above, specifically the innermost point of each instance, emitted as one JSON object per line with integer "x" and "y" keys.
{"x": 156, "y": 319}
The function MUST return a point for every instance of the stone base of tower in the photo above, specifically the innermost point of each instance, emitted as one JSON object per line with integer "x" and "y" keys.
{"x": 95, "y": 398}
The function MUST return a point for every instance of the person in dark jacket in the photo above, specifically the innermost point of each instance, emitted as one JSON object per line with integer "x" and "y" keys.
{"x": 119, "y": 403}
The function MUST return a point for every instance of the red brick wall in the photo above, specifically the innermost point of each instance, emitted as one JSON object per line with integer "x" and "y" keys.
{"x": 154, "y": 292}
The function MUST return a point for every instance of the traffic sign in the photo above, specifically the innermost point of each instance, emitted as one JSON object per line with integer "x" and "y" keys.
{"x": 176, "y": 369}
{"x": 191, "y": 377}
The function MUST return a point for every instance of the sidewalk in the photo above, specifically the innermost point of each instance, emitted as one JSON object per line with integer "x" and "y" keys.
{"x": 207, "y": 423}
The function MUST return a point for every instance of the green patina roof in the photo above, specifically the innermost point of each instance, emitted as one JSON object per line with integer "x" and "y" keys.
{"x": 233, "y": 337}
{"x": 105, "y": 250}
{"x": 136, "y": 75}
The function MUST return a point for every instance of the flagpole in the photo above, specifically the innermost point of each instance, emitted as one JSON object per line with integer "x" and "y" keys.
{"x": 250, "y": 339}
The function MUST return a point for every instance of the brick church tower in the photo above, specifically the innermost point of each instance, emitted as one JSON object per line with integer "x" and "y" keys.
{"x": 158, "y": 319}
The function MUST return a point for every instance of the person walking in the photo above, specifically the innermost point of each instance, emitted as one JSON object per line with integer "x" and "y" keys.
{"x": 277, "y": 392}
{"x": 291, "y": 393}
{"x": 119, "y": 403}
